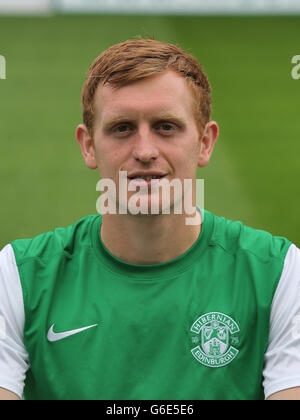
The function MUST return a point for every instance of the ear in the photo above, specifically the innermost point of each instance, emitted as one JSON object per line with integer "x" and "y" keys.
{"x": 87, "y": 146}
{"x": 208, "y": 141}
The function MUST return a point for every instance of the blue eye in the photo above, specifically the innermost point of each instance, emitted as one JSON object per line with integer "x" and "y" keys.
{"x": 167, "y": 127}
{"x": 122, "y": 128}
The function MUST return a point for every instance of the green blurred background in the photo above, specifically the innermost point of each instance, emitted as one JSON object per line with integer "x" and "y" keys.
{"x": 254, "y": 172}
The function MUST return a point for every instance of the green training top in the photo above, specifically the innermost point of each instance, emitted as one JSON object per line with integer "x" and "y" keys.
{"x": 193, "y": 328}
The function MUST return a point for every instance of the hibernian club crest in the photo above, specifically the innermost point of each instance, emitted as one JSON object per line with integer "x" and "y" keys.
{"x": 216, "y": 334}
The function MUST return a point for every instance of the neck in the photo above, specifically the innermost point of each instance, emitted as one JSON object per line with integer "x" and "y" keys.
{"x": 148, "y": 239}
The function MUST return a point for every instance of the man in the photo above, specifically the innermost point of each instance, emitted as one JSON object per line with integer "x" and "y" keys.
{"x": 146, "y": 306}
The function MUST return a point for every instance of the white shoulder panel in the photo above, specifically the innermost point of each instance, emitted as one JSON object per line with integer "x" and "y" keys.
{"x": 282, "y": 359}
{"x": 13, "y": 355}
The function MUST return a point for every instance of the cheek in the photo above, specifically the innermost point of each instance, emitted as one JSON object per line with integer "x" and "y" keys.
{"x": 191, "y": 167}
{"x": 195, "y": 154}
{"x": 109, "y": 160}
{"x": 189, "y": 159}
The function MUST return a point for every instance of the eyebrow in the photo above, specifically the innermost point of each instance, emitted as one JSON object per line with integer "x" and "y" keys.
{"x": 114, "y": 121}
{"x": 165, "y": 116}
{"x": 169, "y": 116}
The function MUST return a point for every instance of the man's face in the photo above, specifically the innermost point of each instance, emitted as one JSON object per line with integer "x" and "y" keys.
{"x": 146, "y": 128}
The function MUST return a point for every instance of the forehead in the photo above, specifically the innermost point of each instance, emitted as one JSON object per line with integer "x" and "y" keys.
{"x": 167, "y": 92}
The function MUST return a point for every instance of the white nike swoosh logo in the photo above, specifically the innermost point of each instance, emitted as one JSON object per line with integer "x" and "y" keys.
{"x": 52, "y": 336}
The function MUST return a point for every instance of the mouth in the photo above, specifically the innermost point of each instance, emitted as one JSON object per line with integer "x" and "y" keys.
{"x": 148, "y": 177}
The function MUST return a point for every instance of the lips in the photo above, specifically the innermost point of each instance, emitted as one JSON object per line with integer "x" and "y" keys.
{"x": 146, "y": 176}
{"x": 150, "y": 178}
{"x": 140, "y": 182}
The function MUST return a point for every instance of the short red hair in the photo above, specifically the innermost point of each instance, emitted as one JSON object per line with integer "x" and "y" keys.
{"x": 133, "y": 60}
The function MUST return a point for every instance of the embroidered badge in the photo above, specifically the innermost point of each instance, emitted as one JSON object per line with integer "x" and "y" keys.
{"x": 216, "y": 334}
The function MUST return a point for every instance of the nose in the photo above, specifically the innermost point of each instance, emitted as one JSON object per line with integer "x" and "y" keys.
{"x": 145, "y": 147}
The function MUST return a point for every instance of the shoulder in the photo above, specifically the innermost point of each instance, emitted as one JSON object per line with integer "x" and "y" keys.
{"x": 51, "y": 243}
{"x": 282, "y": 358}
{"x": 234, "y": 237}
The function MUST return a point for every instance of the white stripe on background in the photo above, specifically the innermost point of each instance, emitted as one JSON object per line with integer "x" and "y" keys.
{"x": 25, "y": 6}
{"x": 179, "y": 6}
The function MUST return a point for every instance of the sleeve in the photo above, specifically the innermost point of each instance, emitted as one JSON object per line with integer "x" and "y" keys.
{"x": 282, "y": 358}
{"x": 13, "y": 355}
